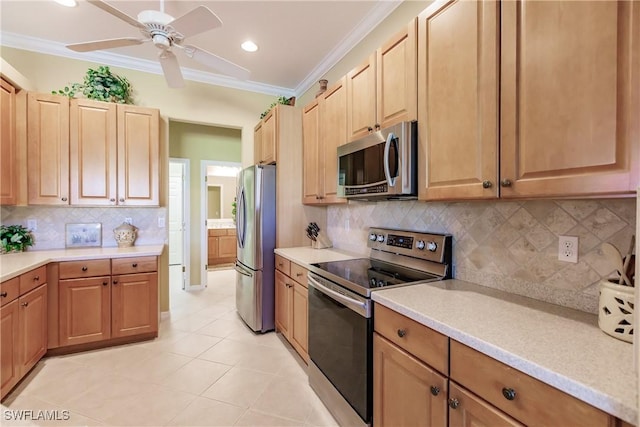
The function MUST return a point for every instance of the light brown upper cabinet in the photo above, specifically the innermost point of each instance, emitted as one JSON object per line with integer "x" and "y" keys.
{"x": 570, "y": 98}
{"x": 382, "y": 90}
{"x": 324, "y": 129}
{"x": 275, "y": 132}
{"x": 8, "y": 147}
{"x": 48, "y": 149}
{"x": 458, "y": 100}
{"x": 560, "y": 115}
{"x": 257, "y": 143}
{"x": 267, "y": 143}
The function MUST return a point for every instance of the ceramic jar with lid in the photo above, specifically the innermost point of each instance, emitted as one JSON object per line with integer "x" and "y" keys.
{"x": 125, "y": 235}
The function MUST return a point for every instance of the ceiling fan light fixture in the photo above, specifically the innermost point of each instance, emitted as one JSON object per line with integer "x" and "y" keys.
{"x": 249, "y": 46}
{"x": 67, "y": 3}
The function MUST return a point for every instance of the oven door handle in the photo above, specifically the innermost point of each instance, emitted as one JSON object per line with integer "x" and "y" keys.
{"x": 362, "y": 308}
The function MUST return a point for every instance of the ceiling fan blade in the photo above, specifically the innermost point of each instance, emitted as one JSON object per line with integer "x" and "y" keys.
{"x": 117, "y": 13}
{"x": 171, "y": 69}
{"x": 105, "y": 44}
{"x": 217, "y": 63}
{"x": 196, "y": 21}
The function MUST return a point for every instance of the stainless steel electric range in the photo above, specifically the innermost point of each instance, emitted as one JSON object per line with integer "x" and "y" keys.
{"x": 341, "y": 314}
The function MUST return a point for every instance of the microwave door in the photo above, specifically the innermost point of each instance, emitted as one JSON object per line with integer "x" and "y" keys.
{"x": 391, "y": 168}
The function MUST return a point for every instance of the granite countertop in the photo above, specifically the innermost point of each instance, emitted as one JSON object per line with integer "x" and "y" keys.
{"x": 562, "y": 347}
{"x": 12, "y": 265}
{"x": 306, "y": 255}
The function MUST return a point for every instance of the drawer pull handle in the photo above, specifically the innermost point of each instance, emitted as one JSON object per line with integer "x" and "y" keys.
{"x": 36, "y": 278}
{"x": 3, "y": 295}
{"x": 84, "y": 268}
{"x": 298, "y": 274}
{"x": 508, "y": 393}
{"x": 115, "y": 282}
{"x": 105, "y": 283}
{"x": 454, "y": 403}
{"x": 24, "y": 304}
{"x": 402, "y": 332}
{"x": 134, "y": 265}
{"x": 435, "y": 390}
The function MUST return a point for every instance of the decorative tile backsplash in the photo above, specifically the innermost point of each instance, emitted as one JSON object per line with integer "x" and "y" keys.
{"x": 51, "y": 223}
{"x": 508, "y": 245}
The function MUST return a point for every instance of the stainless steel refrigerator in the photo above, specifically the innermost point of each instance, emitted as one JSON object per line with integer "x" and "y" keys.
{"x": 256, "y": 231}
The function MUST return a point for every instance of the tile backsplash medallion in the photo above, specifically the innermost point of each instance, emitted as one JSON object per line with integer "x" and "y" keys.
{"x": 51, "y": 223}
{"x": 507, "y": 245}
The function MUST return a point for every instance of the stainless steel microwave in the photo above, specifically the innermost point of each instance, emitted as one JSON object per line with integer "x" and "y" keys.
{"x": 382, "y": 165}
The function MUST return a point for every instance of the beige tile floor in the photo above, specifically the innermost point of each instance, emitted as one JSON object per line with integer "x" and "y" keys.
{"x": 206, "y": 368}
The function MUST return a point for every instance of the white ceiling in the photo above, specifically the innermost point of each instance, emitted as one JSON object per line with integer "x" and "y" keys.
{"x": 298, "y": 40}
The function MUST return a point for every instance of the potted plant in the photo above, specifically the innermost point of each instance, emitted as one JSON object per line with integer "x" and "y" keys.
{"x": 102, "y": 85}
{"x": 233, "y": 209}
{"x": 281, "y": 100}
{"x": 15, "y": 238}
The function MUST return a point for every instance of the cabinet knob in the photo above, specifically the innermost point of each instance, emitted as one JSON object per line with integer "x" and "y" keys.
{"x": 486, "y": 184}
{"x": 377, "y": 126}
{"x": 105, "y": 283}
{"x": 24, "y": 304}
{"x": 435, "y": 390}
{"x": 134, "y": 265}
{"x": 84, "y": 268}
{"x": 64, "y": 199}
{"x": 36, "y": 278}
{"x": 112, "y": 200}
{"x": 508, "y": 393}
{"x": 121, "y": 199}
{"x": 3, "y": 294}
{"x": 370, "y": 129}
{"x": 115, "y": 282}
{"x": 505, "y": 182}
{"x": 453, "y": 403}
{"x": 402, "y": 332}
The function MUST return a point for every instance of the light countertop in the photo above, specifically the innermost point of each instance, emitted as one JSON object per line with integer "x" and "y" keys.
{"x": 561, "y": 347}
{"x": 12, "y": 265}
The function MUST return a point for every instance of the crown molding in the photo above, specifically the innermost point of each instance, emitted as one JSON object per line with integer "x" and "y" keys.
{"x": 378, "y": 14}
{"x": 107, "y": 58}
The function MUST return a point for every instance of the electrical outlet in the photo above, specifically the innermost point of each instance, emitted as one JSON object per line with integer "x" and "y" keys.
{"x": 568, "y": 248}
{"x": 128, "y": 220}
{"x": 32, "y": 224}
{"x": 160, "y": 222}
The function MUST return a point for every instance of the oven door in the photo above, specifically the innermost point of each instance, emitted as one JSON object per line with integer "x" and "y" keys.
{"x": 340, "y": 342}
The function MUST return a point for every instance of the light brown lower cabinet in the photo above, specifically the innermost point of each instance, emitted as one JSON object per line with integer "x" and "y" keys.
{"x": 221, "y": 246}
{"x": 85, "y": 310}
{"x": 23, "y": 330}
{"x": 468, "y": 410}
{"x": 291, "y": 304}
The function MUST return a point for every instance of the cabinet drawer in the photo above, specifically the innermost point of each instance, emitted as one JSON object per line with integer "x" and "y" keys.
{"x": 80, "y": 269}
{"x": 283, "y": 265}
{"x": 423, "y": 342}
{"x": 532, "y": 402}
{"x": 231, "y": 231}
{"x": 143, "y": 264}
{"x": 33, "y": 279}
{"x": 9, "y": 290}
{"x": 299, "y": 274}
{"x": 213, "y": 232}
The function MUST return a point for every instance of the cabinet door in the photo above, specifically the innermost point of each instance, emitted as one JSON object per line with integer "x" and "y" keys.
{"x": 212, "y": 250}
{"x": 93, "y": 145}
{"x": 85, "y": 310}
{"x": 396, "y": 78}
{"x": 570, "y": 107}
{"x": 138, "y": 156}
{"x": 361, "y": 99}
{"x": 33, "y": 327}
{"x": 467, "y": 410}
{"x": 8, "y": 171}
{"x": 9, "y": 345}
{"x": 312, "y": 163}
{"x": 134, "y": 304}
{"x": 406, "y": 392}
{"x": 227, "y": 246}
{"x": 269, "y": 137}
{"x": 333, "y": 128}
{"x": 457, "y": 100}
{"x": 48, "y": 149}
{"x": 299, "y": 321}
{"x": 282, "y": 308}
{"x": 257, "y": 143}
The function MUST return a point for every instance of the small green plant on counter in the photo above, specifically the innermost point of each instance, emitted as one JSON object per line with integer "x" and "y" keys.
{"x": 15, "y": 238}
{"x": 101, "y": 85}
{"x": 280, "y": 100}
{"x": 233, "y": 209}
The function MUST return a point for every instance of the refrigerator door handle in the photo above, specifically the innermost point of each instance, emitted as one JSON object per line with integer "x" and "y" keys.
{"x": 242, "y": 271}
{"x": 242, "y": 220}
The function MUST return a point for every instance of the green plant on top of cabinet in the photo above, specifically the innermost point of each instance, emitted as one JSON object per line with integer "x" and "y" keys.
{"x": 382, "y": 90}
{"x": 553, "y": 129}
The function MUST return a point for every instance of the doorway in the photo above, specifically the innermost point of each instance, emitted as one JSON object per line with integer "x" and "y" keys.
{"x": 178, "y": 223}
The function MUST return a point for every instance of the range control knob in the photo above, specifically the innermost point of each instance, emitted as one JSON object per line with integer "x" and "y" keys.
{"x": 432, "y": 246}
{"x": 380, "y": 238}
{"x": 381, "y": 283}
{"x": 373, "y": 282}
{"x": 372, "y": 237}
{"x": 420, "y": 244}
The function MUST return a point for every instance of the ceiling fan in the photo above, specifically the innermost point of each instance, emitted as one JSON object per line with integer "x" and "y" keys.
{"x": 166, "y": 33}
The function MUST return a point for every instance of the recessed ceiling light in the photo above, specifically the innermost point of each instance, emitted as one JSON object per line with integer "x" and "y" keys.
{"x": 68, "y": 3}
{"x": 249, "y": 46}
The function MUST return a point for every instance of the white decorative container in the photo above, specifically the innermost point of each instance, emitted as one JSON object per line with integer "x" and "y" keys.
{"x": 125, "y": 235}
{"x": 615, "y": 310}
